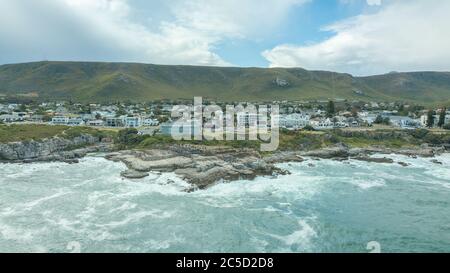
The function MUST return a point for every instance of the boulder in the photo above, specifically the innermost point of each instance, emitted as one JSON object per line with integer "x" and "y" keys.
{"x": 132, "y": 174}
{"x": 374, "y": 159}
{"x": 435, "y": 161}
{"x": 328, "y": 153}
{"x": 403, "y": 164}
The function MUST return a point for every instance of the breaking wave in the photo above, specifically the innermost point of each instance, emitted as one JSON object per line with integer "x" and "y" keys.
{"x": 321, "y": 206}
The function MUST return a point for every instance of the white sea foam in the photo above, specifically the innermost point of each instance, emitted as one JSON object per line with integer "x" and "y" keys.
{"x": 37, "y": 202}
{"x": 18, "y": 233}
{"x": 124, "y": 207}
{"x": 136, "y": 217}
{"x": 367, "y": 183}
{"x": 295, "y": 186}
{"x": 300, "y": 239}
{"x": 94, "y": 203}
{"x": 158, "y": 245}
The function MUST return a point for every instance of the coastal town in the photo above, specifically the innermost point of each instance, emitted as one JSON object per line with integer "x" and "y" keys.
{"x": 155, "y": 117}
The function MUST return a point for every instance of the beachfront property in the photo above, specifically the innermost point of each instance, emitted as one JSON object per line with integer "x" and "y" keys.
{"x": 114, "y": 122}
{"x": 322, "y": 124}
{"x": 150, "y": 122}
{"x": 68, "y": 120}
{"x": 294, "y": 121}
{"x": 292, "y": 116}
{"x": 13, "y": 117}
{"x": 404, "y": 122}
{"x": 95, "y": 123}
{"x": 248, "y": 119}
{"x": 132, "y": 122}
{"x": 179, "y": 128}
{"x": 424, "y": 119}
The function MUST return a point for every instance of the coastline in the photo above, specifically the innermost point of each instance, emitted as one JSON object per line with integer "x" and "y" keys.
{"x": 54, "y": 149}
{"x": 91, "y": 200}
{"x": 200, "y": 165}
{"x": 204, "y": 166}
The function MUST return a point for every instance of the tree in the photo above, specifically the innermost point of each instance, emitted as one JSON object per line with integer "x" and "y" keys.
{"x": 46, "y": 118}
{"x": 355, "y": 112}
{"x": 331, "y": 110}
{"x": 381, "y": 120}
{"x": 129, "y": 136}
{"x": 22, "y": 108}
{"x": 162, "y": 119}
{"x": 308, "y": 128}
{"x": 441, "y": 121}
{"x": 335, "y": 120}
{"x": 378, "y": 120}
{"x": 430, "y": 119}
{"x": 121, "y": 111}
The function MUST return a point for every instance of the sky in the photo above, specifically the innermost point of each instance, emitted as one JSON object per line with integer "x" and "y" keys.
{"x": 361, "y": 37}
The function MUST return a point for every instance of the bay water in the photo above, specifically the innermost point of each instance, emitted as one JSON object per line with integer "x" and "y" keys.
{"x": 322, "y": 206}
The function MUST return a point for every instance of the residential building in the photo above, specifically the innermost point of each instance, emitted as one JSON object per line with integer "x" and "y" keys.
{"x": 60, "y": 120}
{"x": 114, "y": 122}
{"x": 322, "y": 124}
{"x": 14, "y": 117}
{"x": 404, "y": 122}
{"x": 96, "y": 123}
{"x": 294, "y": 121}
{"x": 150, "y": 122}
{"x": 75, "y": 121}
{"x": 132, "y": 122}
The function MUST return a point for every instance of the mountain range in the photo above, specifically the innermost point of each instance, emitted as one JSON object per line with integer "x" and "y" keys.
{"x": 108, "y": 82}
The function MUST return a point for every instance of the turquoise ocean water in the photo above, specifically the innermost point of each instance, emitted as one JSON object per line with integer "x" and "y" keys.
{"x": 328, "y": 207}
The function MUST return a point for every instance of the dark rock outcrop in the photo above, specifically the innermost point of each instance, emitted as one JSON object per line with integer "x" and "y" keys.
{"x": 132, "y": 174}
{"x": 328, "y": 153}
{"x": 374, "y": 159}
{"x": 52, "y": 149}
{"x": 435, "y": 161}
{"x": 202, "y": 166}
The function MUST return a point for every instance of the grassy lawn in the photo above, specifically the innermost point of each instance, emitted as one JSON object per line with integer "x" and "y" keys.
{"x": 288, "y": 140}
{"x": 14, "y": 132}
{"x": 359, "y": 142}
{"x": 24, "y": 132}
{"x": 299, "y": 140}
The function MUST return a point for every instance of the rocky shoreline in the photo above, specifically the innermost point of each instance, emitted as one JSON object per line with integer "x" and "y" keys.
{"x": 203, "y": 166}
{"x": 52, "y": 149}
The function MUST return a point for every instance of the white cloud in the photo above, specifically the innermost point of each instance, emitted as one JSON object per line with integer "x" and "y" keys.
{"x": 373, "y": 2}
{"x": 402, "y": 36}
{"x": 108, "y": 30}
{"x": 234, "y": 18}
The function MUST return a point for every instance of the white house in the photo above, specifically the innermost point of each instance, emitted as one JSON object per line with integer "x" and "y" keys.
{"x": 247, "y": 119}
{"x": 150, "y": 122}
{"x": 404, "y": 122}
{"x": 295, "y": 121}
{"x": 11, "y": 117}
{"x": 75, "y": 121}
{"x": 95, "y": 123}
{"x": 65, "y": 120}
{"x": 368, "y": 118}
{"x": 60, "y": 120}
{"x": 114, "y": 122}
{"x": 132, "y": 122}
{"x": 322, "y": 124}
{"x": 424, "y": 119}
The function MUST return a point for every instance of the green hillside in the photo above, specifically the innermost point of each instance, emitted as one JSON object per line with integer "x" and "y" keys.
{"x": 102, "y": 82}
